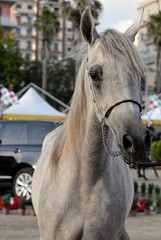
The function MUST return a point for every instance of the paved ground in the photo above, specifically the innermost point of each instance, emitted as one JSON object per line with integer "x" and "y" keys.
{"x": 14, "y": 227}
{"x": 141, "y": 227}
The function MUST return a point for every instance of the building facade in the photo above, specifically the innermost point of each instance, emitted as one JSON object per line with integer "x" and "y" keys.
{"x": 145, "y": 44}
{"x": 6, "y": 14}
{"x": 29, "y": 40}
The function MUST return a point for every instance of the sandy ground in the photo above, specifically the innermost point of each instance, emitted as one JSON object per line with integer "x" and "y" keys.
{"x": 141, "y": 227}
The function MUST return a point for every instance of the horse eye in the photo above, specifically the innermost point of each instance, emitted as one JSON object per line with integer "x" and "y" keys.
{"x": 95, "y": 72}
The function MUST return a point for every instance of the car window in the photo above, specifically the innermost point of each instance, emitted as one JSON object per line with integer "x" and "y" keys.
{"x": 38, "y": 131}
{"x": 14, "y": 133}
{"x": 1, "y": 127}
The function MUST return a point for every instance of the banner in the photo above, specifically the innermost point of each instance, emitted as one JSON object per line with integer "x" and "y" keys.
{"x": 7, "y": 97}
{"x": 154, "y": 102}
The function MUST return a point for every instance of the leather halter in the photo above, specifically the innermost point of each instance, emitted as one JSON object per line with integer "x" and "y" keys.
{"x": 106, "y": 115}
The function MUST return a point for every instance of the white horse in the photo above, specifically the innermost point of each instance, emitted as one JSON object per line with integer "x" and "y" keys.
{"x": 82, "y": 185}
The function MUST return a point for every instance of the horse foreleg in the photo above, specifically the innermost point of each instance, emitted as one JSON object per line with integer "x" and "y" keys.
{"x": 124, "y": 235}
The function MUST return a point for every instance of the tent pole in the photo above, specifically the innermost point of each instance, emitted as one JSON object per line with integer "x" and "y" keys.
{"x": 19, "y": 93}
{"x": 43, "y": 91}
{"x": 49, "y": 95}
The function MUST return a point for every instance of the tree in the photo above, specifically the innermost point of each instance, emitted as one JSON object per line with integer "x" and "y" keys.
{"x": 74, "y": 11}
{"x": 61, "y": 79}
{"x": 154, "y": 31}
{"x": 11, "y": 61}
{"x": 32, "y": 73}
{"x": 47, "y": 23}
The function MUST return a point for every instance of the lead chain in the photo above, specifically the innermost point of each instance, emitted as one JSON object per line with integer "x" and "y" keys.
{"x": 104, "y": 139}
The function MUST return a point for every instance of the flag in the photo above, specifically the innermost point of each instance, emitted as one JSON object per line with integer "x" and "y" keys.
{"x": 7, "y": 97}
{"x": 154, "y": 102}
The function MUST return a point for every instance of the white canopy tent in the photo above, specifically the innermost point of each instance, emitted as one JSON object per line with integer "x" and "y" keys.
{"x": 32, "y": 106}
{"x": 153, "y": 116}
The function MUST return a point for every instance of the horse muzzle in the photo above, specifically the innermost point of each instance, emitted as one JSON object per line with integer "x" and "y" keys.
{"x": 135, "y": 148}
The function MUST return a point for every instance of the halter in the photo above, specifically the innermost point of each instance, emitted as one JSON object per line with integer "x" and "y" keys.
{"x": 103, "y": 125}
{"x": 108, "y": 112}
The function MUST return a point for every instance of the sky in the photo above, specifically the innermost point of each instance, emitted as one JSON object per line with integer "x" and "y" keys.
{"x": 118, "y": 14}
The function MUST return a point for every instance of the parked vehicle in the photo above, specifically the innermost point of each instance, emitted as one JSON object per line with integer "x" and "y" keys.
{"x": 20, "y": 147}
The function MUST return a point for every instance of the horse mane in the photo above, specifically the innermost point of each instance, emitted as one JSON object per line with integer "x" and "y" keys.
{"x": 73, "y": 125}
{"x": 120, "y": 47}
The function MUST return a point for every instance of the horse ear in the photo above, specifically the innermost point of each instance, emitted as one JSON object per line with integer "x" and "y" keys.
{"x": 133, "y": 30}
{"x": 87, "y": 27}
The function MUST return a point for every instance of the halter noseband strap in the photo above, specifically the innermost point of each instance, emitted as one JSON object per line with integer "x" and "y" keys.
{"x": 108, "y": 112}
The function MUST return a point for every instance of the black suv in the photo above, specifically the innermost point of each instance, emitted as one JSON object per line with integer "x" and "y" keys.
{"x": 20, "y": 147}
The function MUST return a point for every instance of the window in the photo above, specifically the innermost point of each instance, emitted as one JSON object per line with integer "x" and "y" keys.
{"x": 18, "y": 43}
{"x": 28, "y": 56}
{"x": 14, "y": 134}
{"x": 18, "y": 19}
{"x": 28, "y": 44}
{"x": 29, "y": 31}
{"x": 55, "y": 47}
{"x": 18, "y": 30}
{"x": 18, "y": 6}
{"x": 29, "y": 19}
{"x": 69, "y": 29}
{"x": 29, "y": 7}
{"x": 38, "y": 131}
{"x": 56, "y": 9}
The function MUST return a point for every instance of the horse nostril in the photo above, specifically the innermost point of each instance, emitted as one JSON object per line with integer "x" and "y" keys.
{"x": 147, "y": 140}
{"x": 128, "y": 144}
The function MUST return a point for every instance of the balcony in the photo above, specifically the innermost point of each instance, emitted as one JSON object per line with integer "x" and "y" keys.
{"x": 5, "y": 22}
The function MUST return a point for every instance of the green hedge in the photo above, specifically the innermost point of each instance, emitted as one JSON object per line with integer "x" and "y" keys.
{"x": 155, "y": 152}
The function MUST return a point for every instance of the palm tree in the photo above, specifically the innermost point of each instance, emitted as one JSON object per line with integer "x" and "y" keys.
{"x": 48, "y": 24}
{"x": 154, "y": 31}
{"x": 74, "y": 11}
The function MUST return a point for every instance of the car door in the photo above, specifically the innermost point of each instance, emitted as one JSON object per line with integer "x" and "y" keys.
{"x": 13, "y": 141}
{"x": 37, "y": 131}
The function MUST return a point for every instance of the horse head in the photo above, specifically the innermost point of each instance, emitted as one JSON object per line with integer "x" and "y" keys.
{"x": 114, "y": 72}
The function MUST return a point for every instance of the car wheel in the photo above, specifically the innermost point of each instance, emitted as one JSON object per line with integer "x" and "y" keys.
{"x": 22, "y": 183}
